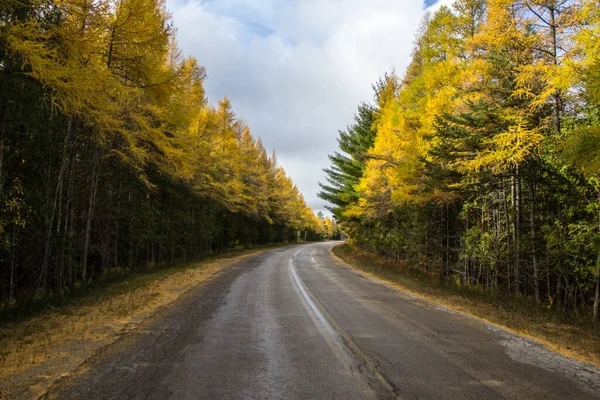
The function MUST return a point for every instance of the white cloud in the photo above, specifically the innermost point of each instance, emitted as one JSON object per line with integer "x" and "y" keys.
{"x": 296, "y": 70}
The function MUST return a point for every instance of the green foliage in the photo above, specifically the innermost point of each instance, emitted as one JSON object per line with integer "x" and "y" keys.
{"x": 348, "y": 166}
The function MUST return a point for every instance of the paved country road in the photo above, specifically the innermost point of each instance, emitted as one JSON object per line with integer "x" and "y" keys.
{"x": 295, "y": 323}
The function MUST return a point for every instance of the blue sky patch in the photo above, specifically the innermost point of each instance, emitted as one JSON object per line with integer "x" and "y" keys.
{"x": 257, "y": 29}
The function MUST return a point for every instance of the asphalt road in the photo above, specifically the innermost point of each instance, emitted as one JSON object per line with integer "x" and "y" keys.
{"x": 294, "y": 323}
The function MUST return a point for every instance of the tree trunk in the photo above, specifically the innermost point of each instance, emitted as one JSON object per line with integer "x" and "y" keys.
{"x": 516, "y": 228}
{"x": 548, "y": 285}
{"x": 466, "y": 271}
{"x": 12, "y": 265}
{"x": 65, "y": 243}
{"x": 57, "y": 194}
{"x": 446, "y": 265}
{"x": 107, "y": 233}
{"x": 88, "y": 220}
{"x": 2, "y": 137}
{"x": 507, "y": 221}
{"x": 71, "y": 232}
{"x": 597, "y": 294}
{"x": 559, "y": 293}
{"x": 534, "y": 260}
{"x": 1, "y": 164}
{"x": 117, "y": 220}
{"x": 556, "y": 97}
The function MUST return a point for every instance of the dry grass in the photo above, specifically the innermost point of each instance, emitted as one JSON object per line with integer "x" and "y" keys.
{"x": 37, "y": 351}
{"x": 578, "y": 340}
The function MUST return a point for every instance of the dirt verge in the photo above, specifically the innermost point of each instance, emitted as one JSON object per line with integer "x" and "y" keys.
{"x": 36, "y": 352}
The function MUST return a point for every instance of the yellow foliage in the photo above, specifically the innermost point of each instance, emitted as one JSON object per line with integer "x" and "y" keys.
{"x": 505, "y": 150}
{"x": 395, "y": 167}
{"x": 113, "y": 66}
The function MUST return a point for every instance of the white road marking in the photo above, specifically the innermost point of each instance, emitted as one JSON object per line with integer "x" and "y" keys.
{"x": 308, "y": 299}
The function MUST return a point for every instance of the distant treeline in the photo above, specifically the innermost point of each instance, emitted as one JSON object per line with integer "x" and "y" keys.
{"x": 482, "y": 164}
{"x": 111, "y": 156}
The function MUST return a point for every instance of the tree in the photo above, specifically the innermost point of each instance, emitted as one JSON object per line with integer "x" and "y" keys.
{"x": 484, "y": 165}
{"x": 111, "y": 157}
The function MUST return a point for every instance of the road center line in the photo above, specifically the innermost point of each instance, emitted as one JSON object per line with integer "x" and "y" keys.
{"x": 308, "y": 298}
{"x": 342, "y": 339}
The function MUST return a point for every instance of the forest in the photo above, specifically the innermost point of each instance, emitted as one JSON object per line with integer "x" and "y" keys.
{"x": 111, "y": 157}
{"x": 480, "y": 165}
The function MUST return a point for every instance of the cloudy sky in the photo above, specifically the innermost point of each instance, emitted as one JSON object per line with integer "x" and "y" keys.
{"x": 295, "y": 70}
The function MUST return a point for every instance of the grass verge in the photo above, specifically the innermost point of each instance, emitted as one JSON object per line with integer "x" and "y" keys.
{"x": 569, "y": 337}
{"x": 38, "y": 349}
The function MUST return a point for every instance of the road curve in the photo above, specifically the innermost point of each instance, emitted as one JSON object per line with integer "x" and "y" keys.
{"x": 295, "y": 323}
